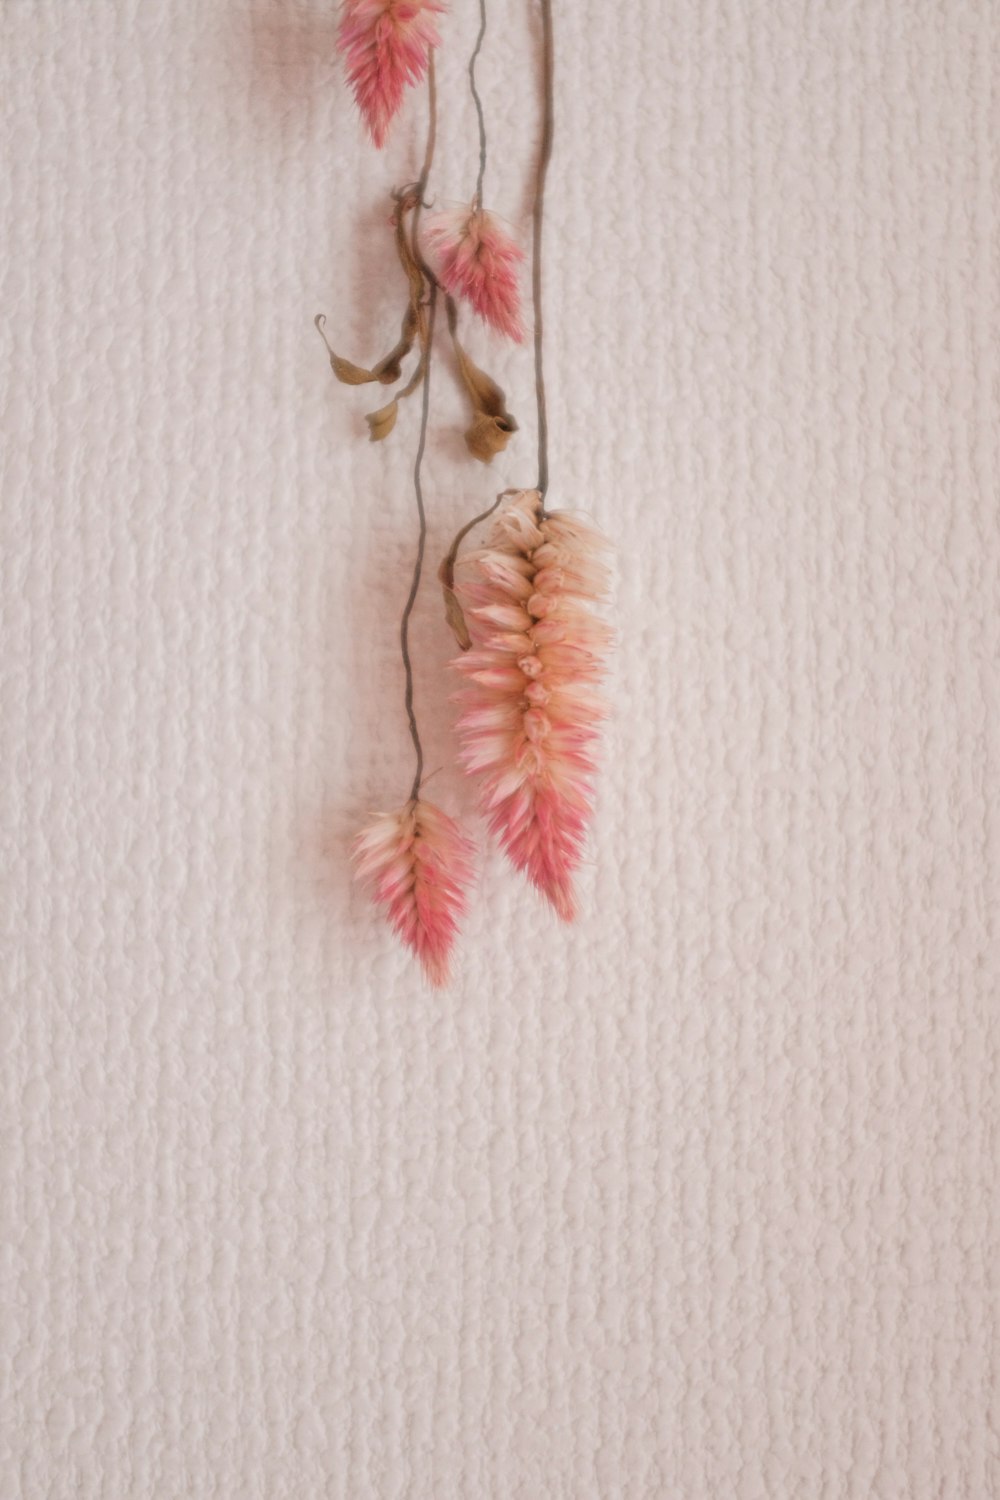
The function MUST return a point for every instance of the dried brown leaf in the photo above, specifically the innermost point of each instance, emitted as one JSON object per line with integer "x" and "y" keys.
{"x": 414, "y": 325}
{"x": 389, "y": 369}
{"x": 485, "y": 394}
{"x": 349, "y": 373}
{"x": 492, "y": 424}
{"x": 488, "y": 436}
{"x": 381, "y": 422}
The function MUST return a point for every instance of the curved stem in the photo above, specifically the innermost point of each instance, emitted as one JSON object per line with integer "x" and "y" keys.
{"x": 545, "y": 152}
{"x": 479, "y": 103}
{"x": 451, "y": 557}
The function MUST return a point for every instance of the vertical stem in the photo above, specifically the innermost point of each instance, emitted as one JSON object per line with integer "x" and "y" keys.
{"x": 425, "y": 170}
{"x": 545, "y": 152}
{"x": 479, "y": 104}
{"x": 404, "y": 627}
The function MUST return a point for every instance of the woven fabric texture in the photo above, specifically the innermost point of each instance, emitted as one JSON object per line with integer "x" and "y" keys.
{"x": 696, "y": 1199}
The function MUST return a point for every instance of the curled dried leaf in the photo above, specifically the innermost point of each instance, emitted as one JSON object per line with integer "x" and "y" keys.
{"x": 488, "y": 436}
{"x": 389, "y": 369}
{"x": 381, "y": 422}
{"x": 348, "y": 373}
{"x": 485, "y": 394}
{"x": 414, "y": 325}
{"x": 492, "y": 424}
{"x": 416, "y": 379}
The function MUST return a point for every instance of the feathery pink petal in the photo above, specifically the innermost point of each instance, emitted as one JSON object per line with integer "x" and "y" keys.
{"x": 475, "y": 259}
{"x": 386, "y": 45}
{"x": 419, "y": 864}
{"x": 531, "y": 705}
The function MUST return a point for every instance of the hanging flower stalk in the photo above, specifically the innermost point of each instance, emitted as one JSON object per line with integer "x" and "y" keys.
{"x": 417, "y": 861}
{"x": 531, "y": 703}
{"x": 386, "y": 46}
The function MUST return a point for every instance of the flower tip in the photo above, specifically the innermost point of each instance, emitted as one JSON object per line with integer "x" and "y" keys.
{"x": 437, "y": 971}
{"x": 563, "y": 902}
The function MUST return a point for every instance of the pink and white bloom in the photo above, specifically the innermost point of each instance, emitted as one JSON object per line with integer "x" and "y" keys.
{"x": 531, "y": 705}
{"x": 419, "y": 865}
{"x": 475, "y": 259}
{"x": 386, "y": 45}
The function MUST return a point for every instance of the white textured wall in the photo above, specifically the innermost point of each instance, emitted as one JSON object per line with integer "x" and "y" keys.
{"x": 698, "y": 1199}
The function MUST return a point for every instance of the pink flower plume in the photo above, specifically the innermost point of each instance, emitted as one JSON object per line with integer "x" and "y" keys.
{"x": 419, "y": 864}
{"x": 475, "y": 259}
{"x": 531, "y": 706}
{"x": 386, "y": 45}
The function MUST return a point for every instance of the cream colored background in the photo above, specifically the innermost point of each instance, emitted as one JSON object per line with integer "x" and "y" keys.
{"x": 698, "y": 1199}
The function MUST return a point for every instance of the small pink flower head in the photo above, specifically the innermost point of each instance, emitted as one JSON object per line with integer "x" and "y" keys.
{"x": 386, "y": 44}
{"x": 475, "y": 259}
{"x": 531, "y": 708}
{"x": 419, "y": 864}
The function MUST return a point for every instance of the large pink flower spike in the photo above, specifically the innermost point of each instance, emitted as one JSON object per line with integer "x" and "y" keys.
{"x": 531, "y": 706}
{"x": 386, "y": 45}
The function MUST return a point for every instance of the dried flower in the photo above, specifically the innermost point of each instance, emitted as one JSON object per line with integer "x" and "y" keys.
{"x": 475, "y": 258}
{"x": 531, "y": 707}
{"x": 386, "y": 44}
{"x": 419, "y": 864}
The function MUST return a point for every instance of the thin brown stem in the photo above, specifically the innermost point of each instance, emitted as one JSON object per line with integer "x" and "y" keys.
{"x": 425, "y": 170}
{"x": 404, "y": 627}
{"x": 545, "y": 152}
{"x": 479, "y": 103}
